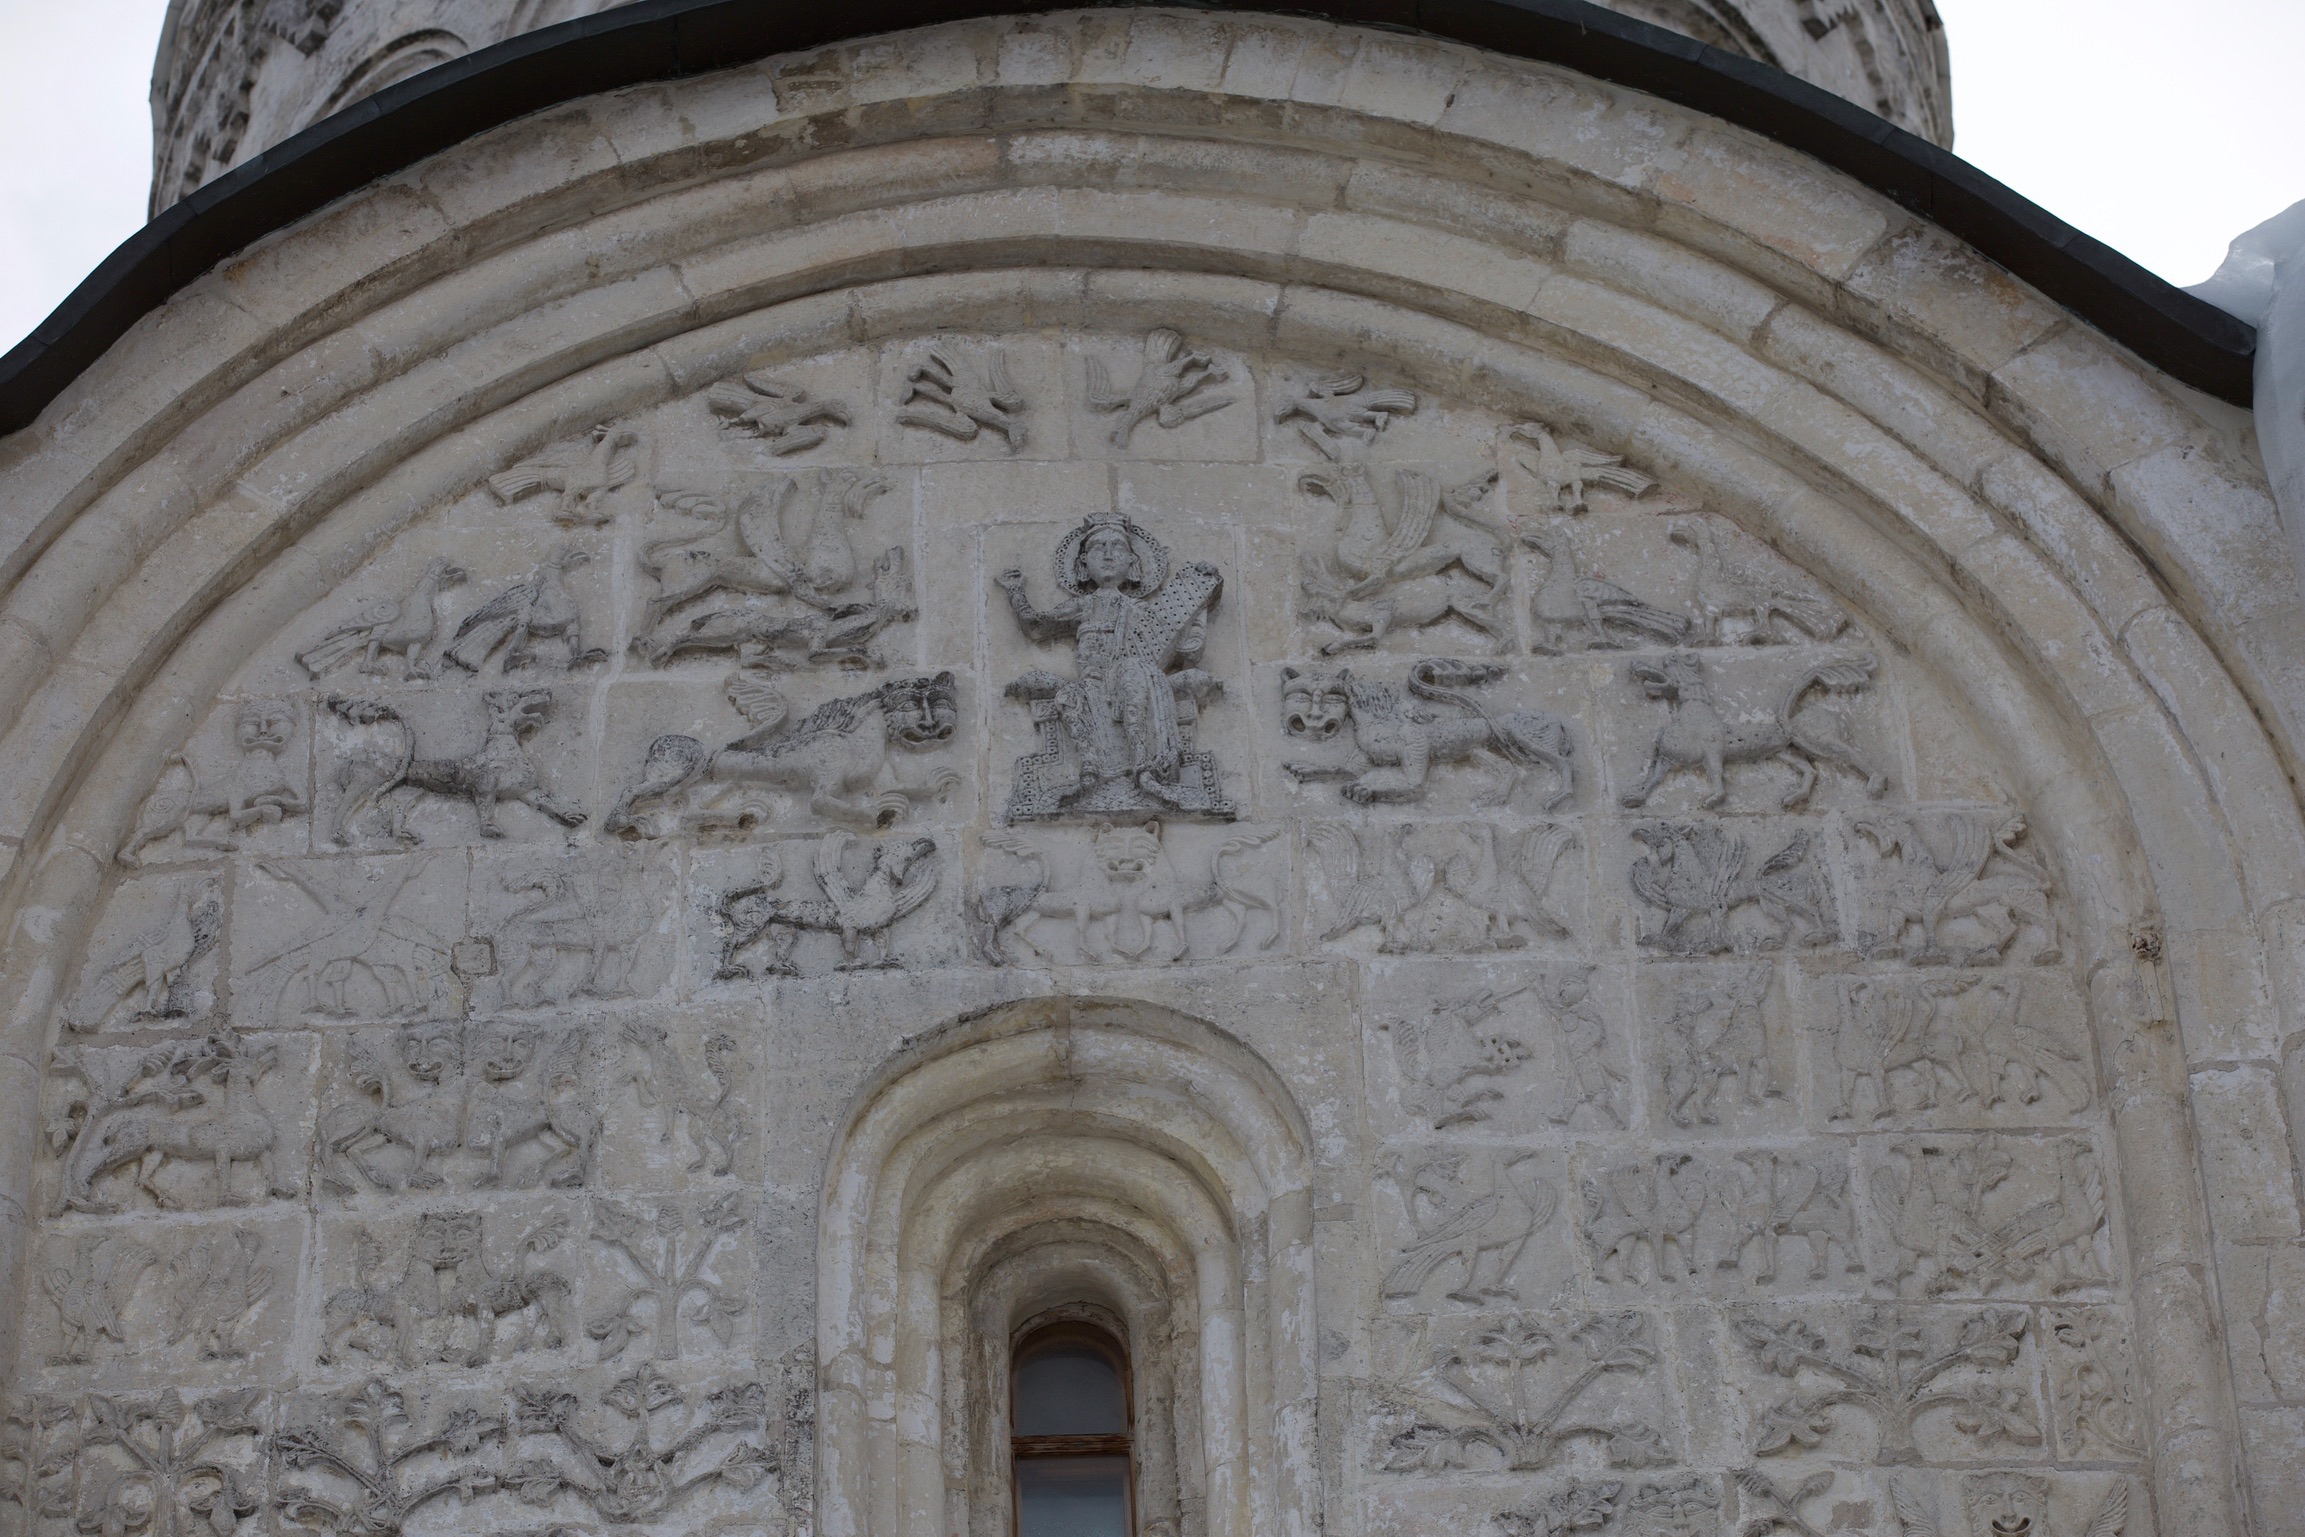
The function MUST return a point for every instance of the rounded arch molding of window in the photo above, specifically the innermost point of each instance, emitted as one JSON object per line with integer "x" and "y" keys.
{"x": 1105, "y": 1154}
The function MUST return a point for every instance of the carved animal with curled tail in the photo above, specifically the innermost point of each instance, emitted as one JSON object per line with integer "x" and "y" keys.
{"x": 1697, "y": 734}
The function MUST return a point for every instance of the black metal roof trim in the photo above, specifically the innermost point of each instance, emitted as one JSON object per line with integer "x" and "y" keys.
{"x": 654, "y": 40}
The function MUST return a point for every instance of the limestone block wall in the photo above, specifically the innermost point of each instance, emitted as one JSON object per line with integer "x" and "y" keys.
{"x": 1602, "y": 835}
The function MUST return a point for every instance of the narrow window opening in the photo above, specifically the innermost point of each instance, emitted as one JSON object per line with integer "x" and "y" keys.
{"x": 1069, "y": 1411}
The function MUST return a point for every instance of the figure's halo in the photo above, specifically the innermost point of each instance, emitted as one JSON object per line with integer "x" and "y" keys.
{"x": 1152, "y": 556}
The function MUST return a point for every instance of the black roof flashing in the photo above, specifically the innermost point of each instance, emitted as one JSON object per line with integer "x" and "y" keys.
{"x": 654, "y": 40}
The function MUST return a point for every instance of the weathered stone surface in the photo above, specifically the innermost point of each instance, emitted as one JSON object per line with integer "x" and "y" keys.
{"x": 1543, "y": 833}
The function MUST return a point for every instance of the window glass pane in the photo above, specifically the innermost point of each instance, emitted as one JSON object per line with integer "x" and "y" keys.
{"x": 1072, "y": 1497}
{"x": 1068, "y": 1388}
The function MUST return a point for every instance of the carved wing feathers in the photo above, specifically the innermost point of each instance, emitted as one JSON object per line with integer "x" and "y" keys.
{"x": 2112, "y": 1515}
{"x": 1420, "y": 502}
{"x": 919, "y": 882}
{"x": 825, "y": 862}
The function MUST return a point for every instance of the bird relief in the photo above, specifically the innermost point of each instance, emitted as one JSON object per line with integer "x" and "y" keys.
{"x": 774, "y": 576}
{"x": 1442, "y": 888}
{"x": 1175, "y": 384}
{"x": 579, "y": 479}
{"x": 863, "y": 890}
{"x": 1117, "y": 737}
{"x": 965, "y": 397}
{"x": 1431, "y": 557}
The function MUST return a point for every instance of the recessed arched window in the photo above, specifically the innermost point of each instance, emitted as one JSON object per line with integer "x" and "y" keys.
{"x": 1069, "y": 1412}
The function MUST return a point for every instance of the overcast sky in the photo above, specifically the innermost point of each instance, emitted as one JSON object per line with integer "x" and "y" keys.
{"x": 2163, "y": 127}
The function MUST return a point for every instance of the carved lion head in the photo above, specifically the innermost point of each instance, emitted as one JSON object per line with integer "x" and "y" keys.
{"x": 1315, "y": 705}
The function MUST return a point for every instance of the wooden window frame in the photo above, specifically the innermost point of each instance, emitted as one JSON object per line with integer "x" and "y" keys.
{"x": 1122, "y": 1445}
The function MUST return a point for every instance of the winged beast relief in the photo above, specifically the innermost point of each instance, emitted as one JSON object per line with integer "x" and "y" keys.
{"x": 405, "y": 626}
{"x": 581, "y": 478}
{"x": 533, "y": 622}
{"x": 1743, "y": 593}
{"x": 838, "y": 758}
{"x": 193, "y": 1104}
{"x": 793, "y": 588}
{"x": 1339, "y": 415}
{"x": 496, "y": 1105}
{"x": 1699, "y": 734}
{"x": 864, "y": 892}
{"x": 379, "y": 768}
{"x": 1979, "y": 1215}
{"x": 218, "y": 814}
{"x": 1906, "y": 1044}
{"x": 1572, "y": 610}
{"x": 1123, "y": 895}
{"x": 781, "y": 414}
{"x": 1443, "y": 887}
{"x": 963, "y": 397}
{"x": 1688, "y": 1216}
{"x": 1433, "y": 558}
{"x": 160, "y": 965}
{"x": 1564, "y": 468}
{"x": 1117, "y": 737}
{"x": 579, "y": 928}
{"x": 1397, "y": 745}
{"x": 1952, "y": 886}
{"x": 448, "y": 1303}
{"x": 200, "y": 1293}
{"x": 1697, "y": 877}
{"x": 1174, "y": 385}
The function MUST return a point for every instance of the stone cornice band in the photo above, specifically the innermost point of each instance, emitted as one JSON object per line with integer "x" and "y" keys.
{"x": 656, "y": 40}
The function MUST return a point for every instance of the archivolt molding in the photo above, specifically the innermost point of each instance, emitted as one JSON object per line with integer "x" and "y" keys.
{"x": 1124, "y": 1117}
{"x": 2083, "y": 554}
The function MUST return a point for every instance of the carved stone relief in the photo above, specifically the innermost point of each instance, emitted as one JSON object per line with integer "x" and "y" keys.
{"x": 1117, "y": 738}
{"x": 1139, "y": 894}
{"x": 1706, "y": 1026}
{"x": 1396, "y": 744}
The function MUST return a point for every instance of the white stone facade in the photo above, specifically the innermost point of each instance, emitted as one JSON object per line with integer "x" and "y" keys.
{"x": 1623, "y": 857}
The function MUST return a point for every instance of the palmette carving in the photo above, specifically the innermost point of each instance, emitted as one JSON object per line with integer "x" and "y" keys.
{"x": 780, "y": 413}
{"x": 1503, "y": 1404}
{"x": 1699, "y": 735}
{"x": 449, "y": 1304}
{"x": 2091, "y": 1382}
{"x": 1172, "y": 387}
{"x": 1981, "y": 1214}
{"x": 192, "y": 1103}
{"x": 378, "y": 1465}
{"x": 405, "y": 626}
{"x": 835, "y": 757}
{"x": 1434, "y": 558}
{"x": 506, "y": 1105}
{"x": 1897, "y": 1368}
{"x": 1689, "y": 1506}
{"x": 1397, "y": 746}
{"x": 1564, "y": 467}
{"x": 156, "y": 1465}
{"x": 259, "y": 791}
{"x": 1442, "y": 887}
{"x": 1124, "y": 896}
{"x": 1949, "y": 885}
{"x": 380, "y": 769}
{"x": 864, "y": 893}
{"x": 963, "y": 397}
{"x": 1117, "y": 737}
{"x": 1697, "y": 877}
{"x": 1339, "y": 415}
{"x": 642, "y": 1478}
{"x": 1472, "y": 1215}
{"x": 582, "y": 477}
{"x": 670, "y": 1251}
